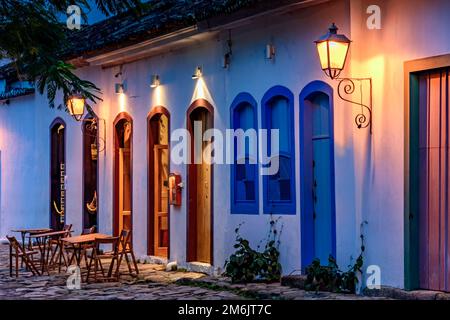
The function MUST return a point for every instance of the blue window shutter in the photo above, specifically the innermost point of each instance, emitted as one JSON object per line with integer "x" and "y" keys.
{"x": 279, "y": 195}
{"x": 244, "y": 176}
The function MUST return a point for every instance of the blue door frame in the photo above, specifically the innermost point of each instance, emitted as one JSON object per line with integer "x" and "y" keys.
{"x": 306, "y": 202}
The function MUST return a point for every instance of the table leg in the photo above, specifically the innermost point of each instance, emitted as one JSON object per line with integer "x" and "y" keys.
{"x": 46, "y": 250}
{"x": 23, "y": 247}
{"x": 38, "y": 241}
{"x": 10, "y": 260}
{"x": 60, "y": 245}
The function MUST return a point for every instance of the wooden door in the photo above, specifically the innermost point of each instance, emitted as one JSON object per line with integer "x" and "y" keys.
{"x": 57, "y": 176}
{"x": 158, "y": 235}
{"x": 200, "y": 217}
{"x": 90, "y": 173}
{"x": 161, "y": 200}
{"x": 434, "y": 180}
{"x": 323, "y": 189}
{"x": 123, "y": 186}
{"x": 317, "y": 172}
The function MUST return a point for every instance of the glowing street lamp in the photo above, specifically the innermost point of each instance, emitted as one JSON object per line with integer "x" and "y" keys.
{"x": 333, "y": 49}
{"x": 76, "y": 104}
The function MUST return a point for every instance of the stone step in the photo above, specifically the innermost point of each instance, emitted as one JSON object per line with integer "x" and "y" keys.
{"x": 294, "y": 281}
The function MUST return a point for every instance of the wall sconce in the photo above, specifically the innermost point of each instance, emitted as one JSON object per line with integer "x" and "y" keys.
{"x": 155, "y": 81}
{"x": 227, "y": 56}
{"x": 226, "y": 60}
{"x": 270, "y": 51}
{"x": 175, "y": 187}
{"x": 76, "y": 104}
{"x": 333, "y": 51}
{"x": 119, "y": 88}
{"x": 198, "y": 73}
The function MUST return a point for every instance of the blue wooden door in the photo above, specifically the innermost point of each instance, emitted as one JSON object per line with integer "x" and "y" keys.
{"x": 317, "y": 173}
{"x": 322, "y": 189}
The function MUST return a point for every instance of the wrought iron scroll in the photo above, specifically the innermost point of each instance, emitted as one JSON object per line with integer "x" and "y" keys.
{"x": 346, "y": 87}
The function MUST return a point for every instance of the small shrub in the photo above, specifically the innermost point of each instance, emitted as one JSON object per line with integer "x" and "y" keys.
{"x": 247, "y": 264}
{"x": 331, "y": 278}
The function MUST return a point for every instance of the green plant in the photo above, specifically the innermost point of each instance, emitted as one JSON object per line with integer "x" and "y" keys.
{"x": 247, "y": 265}
{"x": 331, "y": 278}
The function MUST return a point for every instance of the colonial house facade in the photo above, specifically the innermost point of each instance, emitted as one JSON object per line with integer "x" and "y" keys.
{"x": 255, "y": 65}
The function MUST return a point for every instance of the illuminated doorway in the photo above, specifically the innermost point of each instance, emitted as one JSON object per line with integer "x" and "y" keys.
{"x": 158, "y": 182}
{"x": 123, "y": 172}
{"x": 90, "y": 172}
{"x": 200, "y": 181}
{"x": 57, "y": 174}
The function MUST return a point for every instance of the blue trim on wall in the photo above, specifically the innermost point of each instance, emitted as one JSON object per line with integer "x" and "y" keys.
{"x": 247, "y": 207}
{"x": 306, "y": 221}
{"x": 280, "y": 207}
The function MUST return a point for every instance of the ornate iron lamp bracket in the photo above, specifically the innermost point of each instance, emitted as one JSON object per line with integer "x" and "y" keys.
{"x": 346, "y": 87}
{"x": 92, "y": 125}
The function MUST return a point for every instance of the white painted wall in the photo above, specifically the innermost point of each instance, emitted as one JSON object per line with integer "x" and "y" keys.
{"x": 369, "y": 169}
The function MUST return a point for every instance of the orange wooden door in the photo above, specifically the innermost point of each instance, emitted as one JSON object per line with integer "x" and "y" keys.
{"x": 161, "y": 200}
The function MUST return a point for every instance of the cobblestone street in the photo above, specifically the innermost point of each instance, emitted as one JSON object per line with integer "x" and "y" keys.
{"x": 153, "y": 283}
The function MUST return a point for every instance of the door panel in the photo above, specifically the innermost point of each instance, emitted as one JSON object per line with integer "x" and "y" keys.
{"x": 90, "y": 173}
{"x": 200, "y": 194}
{"x": 123, "y": 203}
{"x": 158, "y": 183}
{"x": 318, "y": 204}
{"x": 57, "y": 176}
{"x": 161, "y": 174}
{"x": 434, "y": 180}
{"x": 322, "y": 202}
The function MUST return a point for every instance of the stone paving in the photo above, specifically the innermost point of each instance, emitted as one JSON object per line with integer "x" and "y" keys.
{"x": 153, "y": 283}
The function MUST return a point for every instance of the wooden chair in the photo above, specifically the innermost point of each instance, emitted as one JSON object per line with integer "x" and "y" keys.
{"x": 90, "y": 230}
{"x": 16, "y": 251}
{"x": 86, "y": 247}
{"x": 125, "y": 248}
{"x": 96, "y": 259}
{"x": 57, "y": 249}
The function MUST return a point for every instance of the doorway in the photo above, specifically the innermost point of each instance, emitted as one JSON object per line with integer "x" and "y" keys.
{"x": 200, "y": 181}
{"x": 432, "y": 159}
{"x": 123, "y": 172}
{"x": 57, "y": 174}
{"x": 158, "y": 182}
{"x": 317, "y": 167}
{"x": 90, "y": 172}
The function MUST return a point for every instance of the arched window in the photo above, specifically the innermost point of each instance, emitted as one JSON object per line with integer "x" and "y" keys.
{"x": 279, "y": 188}
{"x": 244, "y": 171}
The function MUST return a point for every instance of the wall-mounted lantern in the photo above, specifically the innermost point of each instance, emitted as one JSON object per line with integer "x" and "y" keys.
{"x": 198, "y": 73}
{"x": 270, "y": 51}
{"x": 175, "y": 187}
{"x": 156, "y": 81}
{"x": 76, "y": 104}
{"x": 119, "y": 88}
{"x": 333, "y": 51}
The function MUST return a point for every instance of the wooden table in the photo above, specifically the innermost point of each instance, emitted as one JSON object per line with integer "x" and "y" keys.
{"x": 24, "y": 233}
{"x": 78, "y": 243}
{"x": 41, "y": 239}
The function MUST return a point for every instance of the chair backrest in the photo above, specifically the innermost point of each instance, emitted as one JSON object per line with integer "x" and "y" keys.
{"x": 113, "y": 241}
{"x": 125, "y": 239}
{"x": 14, "y": 244}
{"x": 89, "y": 231}
{"x": 68, "y": 229}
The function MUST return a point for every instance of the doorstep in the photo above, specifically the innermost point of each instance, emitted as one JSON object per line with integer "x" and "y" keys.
{"x": 298, "y": 281}
{"x": 396, "y": 293}
{"x": 153, "y": 260}
{"x": 201, "y": 267}
{"x": 266, "y": 291}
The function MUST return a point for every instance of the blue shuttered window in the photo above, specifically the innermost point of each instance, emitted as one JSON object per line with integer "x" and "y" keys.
{"x": 279, "y": 188}
{"x": 244, "y": 171}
